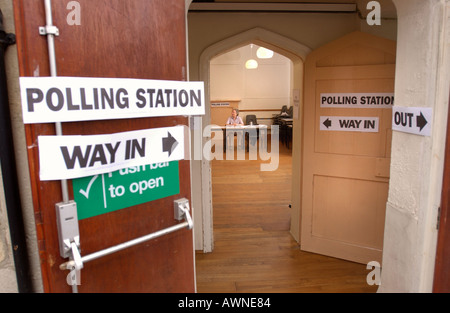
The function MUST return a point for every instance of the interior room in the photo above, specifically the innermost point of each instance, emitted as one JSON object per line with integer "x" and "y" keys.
{"x": 263, "y": 91}
{"x": 296, "y": 32}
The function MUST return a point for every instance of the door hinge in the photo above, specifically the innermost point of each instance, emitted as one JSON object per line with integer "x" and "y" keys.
{"x": 438, "y": 218}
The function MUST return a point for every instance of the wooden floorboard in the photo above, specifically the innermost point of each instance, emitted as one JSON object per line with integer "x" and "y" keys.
{"x": 253, "y": 249}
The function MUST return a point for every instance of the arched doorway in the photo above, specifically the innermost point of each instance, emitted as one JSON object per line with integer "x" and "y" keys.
{"x": 297, "y": 53}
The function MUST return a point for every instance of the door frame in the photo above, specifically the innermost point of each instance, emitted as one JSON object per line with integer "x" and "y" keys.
{"x": 442, "y": 266}
{"x": 294, "y": 51}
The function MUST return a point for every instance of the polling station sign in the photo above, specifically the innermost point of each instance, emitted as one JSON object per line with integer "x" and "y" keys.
{"x": 357, "y": 100}
{"x": 69, "y": 99}
{"x": 68, "y": 157}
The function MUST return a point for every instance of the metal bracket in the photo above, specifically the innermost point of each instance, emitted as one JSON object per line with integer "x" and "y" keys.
{"x": 69, "y": 239}
{"x": 48, "y": 30}
{"x": 438, "y": 222}
{"x": 68, "y": 232}
{"x": 181, "y": 211}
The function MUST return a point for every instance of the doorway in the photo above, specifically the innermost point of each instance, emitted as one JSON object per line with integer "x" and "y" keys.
{"x": 255, "y": 249}
{"x": 290, "y": 49}
{"x": 262, "y": 96}
{"x": 251, "y": 207}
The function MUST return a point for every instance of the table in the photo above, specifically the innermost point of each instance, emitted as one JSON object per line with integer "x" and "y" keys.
{"x": 241, "y": 131}
{"x": 286, "y": 120}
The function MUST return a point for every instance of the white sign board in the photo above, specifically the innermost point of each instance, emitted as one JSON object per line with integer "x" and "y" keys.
{"x": 69, "y": 99}
{"x": 349, "y": 124}
{"x": 357, "y": 100}
{"x": 220, "y": 104}
{"x": 68, "y": 157}
{"x": 413, "y": 120}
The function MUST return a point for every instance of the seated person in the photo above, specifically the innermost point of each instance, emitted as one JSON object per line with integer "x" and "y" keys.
{"x": 234, "y": 119}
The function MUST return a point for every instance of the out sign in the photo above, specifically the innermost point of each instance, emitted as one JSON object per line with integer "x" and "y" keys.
{"x": 413, "y": 120}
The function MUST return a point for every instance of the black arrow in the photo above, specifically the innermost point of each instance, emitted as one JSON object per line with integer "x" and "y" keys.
{"x": 421, "y": 122}
{"x": 327, "y": 123}
{"x": 169, "y": 144}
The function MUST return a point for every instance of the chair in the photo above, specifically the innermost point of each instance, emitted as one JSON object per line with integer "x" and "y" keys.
{"x": 283, "y": 113}
{"x": 285, "y": 126}
{"x": 290, "y": 111}
{"x": 250, "y": 119}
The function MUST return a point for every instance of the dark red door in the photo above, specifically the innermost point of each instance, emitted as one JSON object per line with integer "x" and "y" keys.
{"x": 442, "y": 269}
{"x": 122, "y": 39}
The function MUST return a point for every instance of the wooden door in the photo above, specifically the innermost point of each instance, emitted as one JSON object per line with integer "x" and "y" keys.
{"x": 123, "y": 39}
{"x": 347, "y": 147}
{"x": 441, "y": 282}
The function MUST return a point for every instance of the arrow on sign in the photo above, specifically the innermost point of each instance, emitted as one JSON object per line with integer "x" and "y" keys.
{"x": 327, "y": 123}
{"x": 169, "y": 144}
{"x": 413, "y": 120}
{"x": 421, "y": 122}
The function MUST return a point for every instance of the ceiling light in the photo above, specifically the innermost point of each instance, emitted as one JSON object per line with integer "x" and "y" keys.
{"x": 251, "y": 64}
{"x": 264, "y": 53}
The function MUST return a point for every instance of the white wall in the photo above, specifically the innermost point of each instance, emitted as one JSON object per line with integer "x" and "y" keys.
{"x": 422, "y": 80}
{"x": 263, "y": 88}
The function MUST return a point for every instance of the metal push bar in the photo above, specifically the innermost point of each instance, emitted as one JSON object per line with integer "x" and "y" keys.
{"x": 181, "y": 211}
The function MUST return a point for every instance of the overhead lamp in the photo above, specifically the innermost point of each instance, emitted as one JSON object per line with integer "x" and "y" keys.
{"x": 251, "y": 64}
{"x": 263, "y": 53}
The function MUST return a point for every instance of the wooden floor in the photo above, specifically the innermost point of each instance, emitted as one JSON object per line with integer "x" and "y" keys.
{"x": 253, "y": 249}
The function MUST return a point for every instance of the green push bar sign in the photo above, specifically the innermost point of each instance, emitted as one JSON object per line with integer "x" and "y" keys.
{"x": 124, "y": 188}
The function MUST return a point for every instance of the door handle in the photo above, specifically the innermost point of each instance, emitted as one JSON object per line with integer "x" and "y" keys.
{"x": 181, "y": 212}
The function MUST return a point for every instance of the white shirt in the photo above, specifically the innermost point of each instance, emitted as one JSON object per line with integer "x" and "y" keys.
{"x": 237, "y": 120}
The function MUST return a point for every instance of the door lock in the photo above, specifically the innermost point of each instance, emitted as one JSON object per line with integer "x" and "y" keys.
{"x": 68, "y": 232}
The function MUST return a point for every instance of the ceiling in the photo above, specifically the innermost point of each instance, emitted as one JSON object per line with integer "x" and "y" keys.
{"x": 387, "y": 7}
